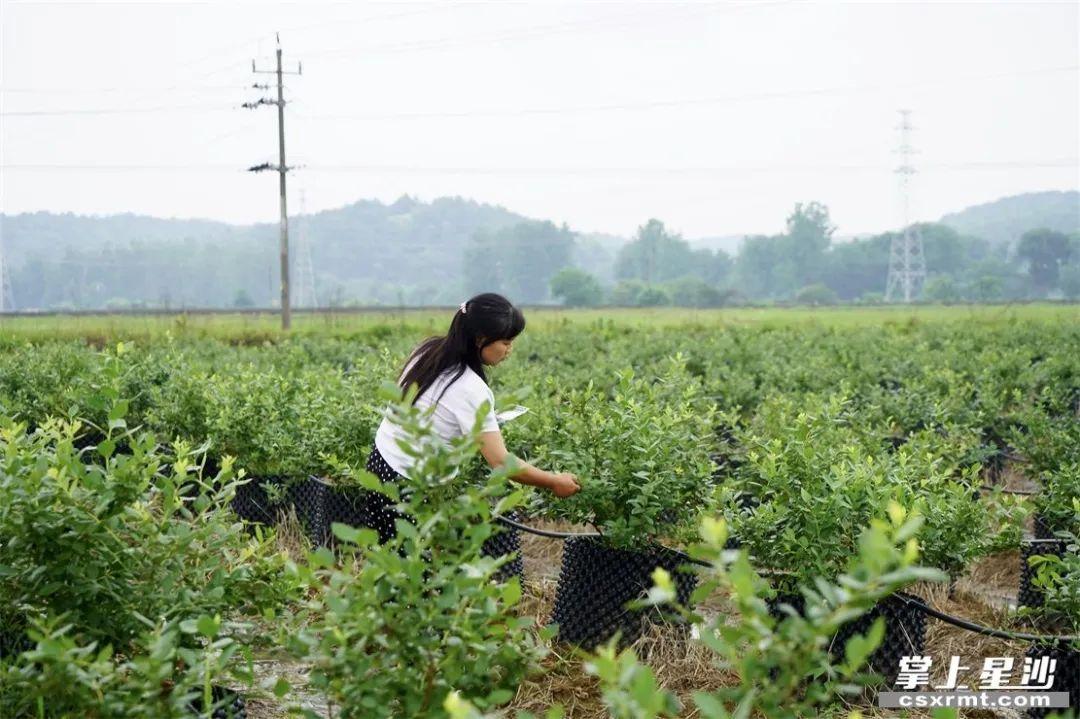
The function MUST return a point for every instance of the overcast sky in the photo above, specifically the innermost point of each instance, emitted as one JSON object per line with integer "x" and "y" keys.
{"x": 714, "y": 117}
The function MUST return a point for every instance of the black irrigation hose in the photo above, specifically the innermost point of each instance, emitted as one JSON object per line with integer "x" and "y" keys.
{"x": 588, "y": 535}
{"x": 1020, "y": 492}
{"x": 915, "y": 602}
{"x": 980, "y": 629}
{"x": 688, "y": 558}
{"x": 544, "y": 532}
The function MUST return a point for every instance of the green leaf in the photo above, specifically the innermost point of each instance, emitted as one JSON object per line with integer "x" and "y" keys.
{"x": 710, "y": 706}
{"x": 106, "y": 448}
{"x": 345, "y": 532}
{"x": 208, "y": 626}
{"x": 118, "y": 411}
{"x": 511, "y": 592}
{"x": 500, "y": 696}
{"x": 322, "y": 557}
{"x": 859, "y": 648}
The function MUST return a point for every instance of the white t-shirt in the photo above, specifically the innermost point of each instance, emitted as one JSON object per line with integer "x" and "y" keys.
{"x": 453, "y": 416}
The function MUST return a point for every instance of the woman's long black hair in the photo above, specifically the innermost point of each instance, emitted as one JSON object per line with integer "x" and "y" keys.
{"x": 488, "y": 317}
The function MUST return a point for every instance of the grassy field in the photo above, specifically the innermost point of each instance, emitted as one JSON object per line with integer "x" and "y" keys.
{"x": 254, "y": 327}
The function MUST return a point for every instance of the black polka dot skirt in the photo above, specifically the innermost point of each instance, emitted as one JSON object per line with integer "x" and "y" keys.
{"x": 378, "y": 509}
{"x": 379, "y": 514}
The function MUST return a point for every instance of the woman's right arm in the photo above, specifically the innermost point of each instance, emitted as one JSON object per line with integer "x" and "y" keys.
{"x": 562, "y": 484}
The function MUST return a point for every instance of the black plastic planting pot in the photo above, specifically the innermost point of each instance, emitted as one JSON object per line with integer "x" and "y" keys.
{"x": 310, "y": 500}
{"x": 354, "y": 506}
{"x": 905, "y": 631}
{"x": 597, "y": 581}
{"x": 13, "y": 638}
{"x": 1042, "y": 528}
{"x": 358, "y": 507}
{"x": 13, "y": 643}
{"x": 260, "y": 499}
{"x": 1066, "y": 675}
{"x": 346, "y": 505}
{"x": 503, "y": 541}
{"x": 229, "y": 705}
{"x": 994, "y": 467}
{"x": 264, "y": 500}
{"x": 1030, "y": 595}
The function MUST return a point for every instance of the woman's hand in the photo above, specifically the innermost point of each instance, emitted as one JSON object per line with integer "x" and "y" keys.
{"x": 564, "y": 485}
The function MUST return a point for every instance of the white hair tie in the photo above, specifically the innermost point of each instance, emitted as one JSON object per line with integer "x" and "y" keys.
{"x": 462, "y": 306}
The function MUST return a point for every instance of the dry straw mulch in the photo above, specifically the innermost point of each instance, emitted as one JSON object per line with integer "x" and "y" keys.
{"x": 684, "y": 666}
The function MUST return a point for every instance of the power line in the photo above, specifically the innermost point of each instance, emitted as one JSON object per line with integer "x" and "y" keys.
{"x": 238, "y": 47}
{"x": 531, "y": 31}
{"x": 242, "y": 46}
{"x": 118, "y": 110}
{"x": 373, "y": 18}
{"x": 1065, "y": 162}
{"x": 660, "y": 104}
{"x": 99, "y": 90}
{"x": 104, "y": 263}
{"x": 248, "y": 127}
{"x": 117, "y": 167}
{"x": 606, "y": 107}
{"x": 1069, "y": 162}
{"x": 735, "y": 169}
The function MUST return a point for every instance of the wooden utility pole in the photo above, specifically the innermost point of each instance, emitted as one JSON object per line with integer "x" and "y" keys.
{"x": 282, "y": 169}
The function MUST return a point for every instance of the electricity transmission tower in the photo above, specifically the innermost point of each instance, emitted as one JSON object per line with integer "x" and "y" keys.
{"x": 7, "y": 300}
{"x": 282, "y": 169}
{"x": 306, "y": 294}
{"x": 907, "y": 265}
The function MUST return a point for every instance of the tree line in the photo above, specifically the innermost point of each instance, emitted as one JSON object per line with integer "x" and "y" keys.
{"x": 411, "y": 253}
{"x": 532, "y": 262}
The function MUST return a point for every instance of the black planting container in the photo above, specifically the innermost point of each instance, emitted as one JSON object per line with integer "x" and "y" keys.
{"x": 13, "y": 637}
{"x": 227, "y": 705}
{"x": 361, "y": 508}
{"x": 1066, "y": 675}
{"x": 905, "y": 631}
{"x": 309, "y": 497}
{"x": 894, "y": 442}
{"x": 253, "y": 502}
{"x": 1030, "y": 595}
{"x": 348, "y": 505}
{"x": 13, "y": 643}
{"x": 506, "y": 540}
{"x": 358, "y": 507}
{"x": 1042, "y": 528}
{"x": 993, "y": 467}
{"x": 597, "y": 581}
{"x": 211, "y": 466}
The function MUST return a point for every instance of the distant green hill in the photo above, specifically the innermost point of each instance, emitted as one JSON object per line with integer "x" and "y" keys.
{"x": 1004, "y": 220}
{"x": 370, "y": 252}
{"x": 404, "y": 251}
